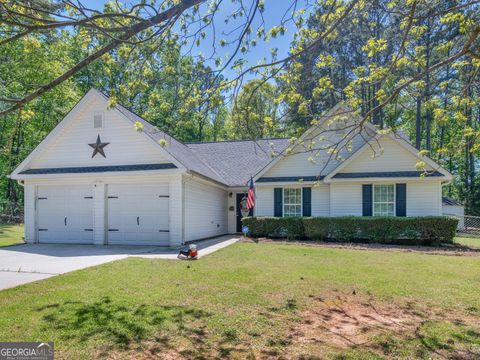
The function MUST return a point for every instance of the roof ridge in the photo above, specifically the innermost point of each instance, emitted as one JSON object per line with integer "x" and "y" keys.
{"x": 227, "y": 141}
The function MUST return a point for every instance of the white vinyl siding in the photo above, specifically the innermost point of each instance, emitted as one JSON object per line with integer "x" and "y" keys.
{"x": 457, "y": 211}
{"x": 346, "y": 199}
{"x": 205, "y": 210}
{"x": 384, "y": 155}
{"x": 384, "y": 200}
{"x": 299, "y": 162}
{"x": 292, "y": 202}
{"x": 126, "y": 145}
{"x": 321, "y": 200}
{"x": 264, "y": 201}
{"x": 30, "y": 212}
{"x": 424, "y": 198}
{"x": 177, "y": 202}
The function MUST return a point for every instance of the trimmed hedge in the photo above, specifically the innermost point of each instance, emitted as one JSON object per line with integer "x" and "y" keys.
{"x": 275, "y": 227}
{"x": 423, "y": 230}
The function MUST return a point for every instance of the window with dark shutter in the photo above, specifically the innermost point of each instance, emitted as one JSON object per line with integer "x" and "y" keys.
{"x": 307, "y": 201}
{"x": 278, "y": 202}
{"x": 367, "y": 200}
{"x": 292, "y": 202}
{"x": 401, "y": 199}
{"x": 383, "y": 200}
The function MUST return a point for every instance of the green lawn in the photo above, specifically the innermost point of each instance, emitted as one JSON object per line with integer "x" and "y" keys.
{"x": 251, "y": 300}
{"x": 469, "y": 241}
{"x": 11, "y": 234}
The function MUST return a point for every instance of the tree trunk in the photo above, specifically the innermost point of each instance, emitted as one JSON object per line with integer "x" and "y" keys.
{"x": 418, "y": 124}
{"x": 428, "y": 111}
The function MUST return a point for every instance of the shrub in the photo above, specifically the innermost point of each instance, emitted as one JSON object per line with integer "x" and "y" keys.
{"x": 275, "y": 227}
{"x": 424, "y": 230}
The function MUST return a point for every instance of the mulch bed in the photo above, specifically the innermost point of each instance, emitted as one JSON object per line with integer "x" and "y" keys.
{"x": 447, "y": 249}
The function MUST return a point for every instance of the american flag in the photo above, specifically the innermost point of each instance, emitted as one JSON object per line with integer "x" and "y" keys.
{"x": 250, "y": 195}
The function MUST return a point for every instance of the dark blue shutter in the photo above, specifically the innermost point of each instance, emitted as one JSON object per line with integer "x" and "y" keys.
{"x": 367, "y": 200}
{"x": 401, "y": 199}
{"x": 278, "y": 202}
{"x": 307, "y": 201}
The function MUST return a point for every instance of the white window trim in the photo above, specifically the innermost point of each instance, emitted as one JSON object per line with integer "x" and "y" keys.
{"x": 283, "y": 200}
{"x": 394, "y": 198}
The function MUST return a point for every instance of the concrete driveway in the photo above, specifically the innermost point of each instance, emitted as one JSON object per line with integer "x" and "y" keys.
{"x": 21, "y": 264}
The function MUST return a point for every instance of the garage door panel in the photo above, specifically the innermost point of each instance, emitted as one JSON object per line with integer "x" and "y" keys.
{"x": 65, "y": 236}
{"x": 52, "y": 237}
{"x": 138, "y": 238}
{"x": 138, "y": 214}
{"x": 64, "y": 214}
{"x": 146, "y": 236}
{"x": 138, "y": 189}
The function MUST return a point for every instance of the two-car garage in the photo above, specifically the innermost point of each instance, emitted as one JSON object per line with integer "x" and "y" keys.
{"x": 134, "y": 214}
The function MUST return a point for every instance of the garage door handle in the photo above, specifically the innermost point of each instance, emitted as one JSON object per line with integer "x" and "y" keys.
{"x": 138, "y": 220}
{"x": 65, "y": 221}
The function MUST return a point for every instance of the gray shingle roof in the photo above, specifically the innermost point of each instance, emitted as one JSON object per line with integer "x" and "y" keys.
{"x": 236, "y": 161}
{"x": 449, "y": 201}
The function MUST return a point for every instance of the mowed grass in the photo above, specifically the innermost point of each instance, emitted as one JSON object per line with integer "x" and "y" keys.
{"x": 11, "y": 234}
{"x": 245, "y": 301}
{"x": 470, "y": 241}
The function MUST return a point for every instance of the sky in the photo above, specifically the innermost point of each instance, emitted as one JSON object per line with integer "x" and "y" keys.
{"x": 274, "y": 11}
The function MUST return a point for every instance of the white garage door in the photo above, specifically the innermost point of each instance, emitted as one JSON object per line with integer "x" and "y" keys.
{"x": 138, "y": 214}
{"x": 65, "y": 214}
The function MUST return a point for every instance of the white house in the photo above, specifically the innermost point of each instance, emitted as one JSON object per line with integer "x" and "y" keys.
{"x": 452, "y": 207}
{"x": 96, "y": 179}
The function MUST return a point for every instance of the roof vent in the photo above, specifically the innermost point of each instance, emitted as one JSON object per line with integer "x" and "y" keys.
{"x": 98, "y": 121}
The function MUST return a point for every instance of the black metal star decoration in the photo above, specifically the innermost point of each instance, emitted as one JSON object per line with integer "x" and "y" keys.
{"x": 98, "y": 147}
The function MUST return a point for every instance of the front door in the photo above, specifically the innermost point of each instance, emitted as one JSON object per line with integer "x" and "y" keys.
{"x": 241, "y": 203}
